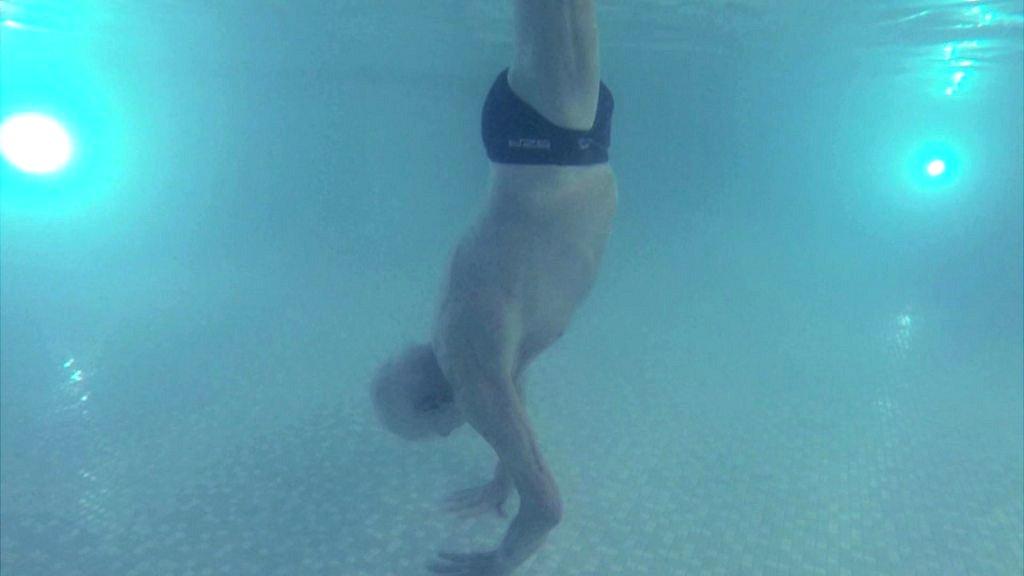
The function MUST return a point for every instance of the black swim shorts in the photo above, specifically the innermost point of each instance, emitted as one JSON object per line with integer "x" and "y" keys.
{"x": 516, "y": 133}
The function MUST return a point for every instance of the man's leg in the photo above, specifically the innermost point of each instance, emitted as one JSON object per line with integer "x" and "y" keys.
{"x": 555, "y": 67}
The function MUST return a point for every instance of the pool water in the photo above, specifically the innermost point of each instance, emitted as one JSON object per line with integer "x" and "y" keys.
{"x": 804, "y": 354}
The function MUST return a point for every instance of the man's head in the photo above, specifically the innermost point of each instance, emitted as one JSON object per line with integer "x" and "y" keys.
{"x": 412, "y": 398}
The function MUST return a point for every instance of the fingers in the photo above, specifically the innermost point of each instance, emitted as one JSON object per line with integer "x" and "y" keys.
{"x": 447, "y": 569}
{"x": 467, "y": 558}
{"x": 473, "y": 564}
{"x": 463, "y": 497}
{"x": 463, "y": 505}
{"x": 474, "y": 501}
{"x": 438, "y": 568}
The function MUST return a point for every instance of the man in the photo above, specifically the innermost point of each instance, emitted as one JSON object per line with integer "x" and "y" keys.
{"x": 516, "y": 278}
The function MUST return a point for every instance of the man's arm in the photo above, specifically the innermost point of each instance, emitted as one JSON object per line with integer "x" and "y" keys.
{"x": 492, "y": 405}
{"x": 499, "y": 416}
{"x": 555, "y": 66}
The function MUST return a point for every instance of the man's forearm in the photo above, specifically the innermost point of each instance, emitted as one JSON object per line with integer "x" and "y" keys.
{"x": 525, "y": 535}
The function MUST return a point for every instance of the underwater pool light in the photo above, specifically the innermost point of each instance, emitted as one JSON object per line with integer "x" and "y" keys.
{"x": 934, "y": 166}
{"x": 35, "y": 143}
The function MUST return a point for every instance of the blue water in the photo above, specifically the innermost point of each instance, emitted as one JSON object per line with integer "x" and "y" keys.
{"x": 803, "y": 355}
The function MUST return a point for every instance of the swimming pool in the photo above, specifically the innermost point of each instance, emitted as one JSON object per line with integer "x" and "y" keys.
{"x": 803, "y": 354}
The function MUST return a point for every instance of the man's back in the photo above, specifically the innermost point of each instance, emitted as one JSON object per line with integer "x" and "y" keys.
{"x": 534, "y": 254}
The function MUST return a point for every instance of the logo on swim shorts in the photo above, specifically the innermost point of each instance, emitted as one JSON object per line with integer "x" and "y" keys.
{"x": 530, "y": 144}
{"x": 585, "y": 143}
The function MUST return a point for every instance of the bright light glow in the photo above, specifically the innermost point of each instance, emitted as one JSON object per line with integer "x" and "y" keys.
{"x": 935, "y": 167}
{"x": 958, "y": 76}
{"x": 35, "y": 143}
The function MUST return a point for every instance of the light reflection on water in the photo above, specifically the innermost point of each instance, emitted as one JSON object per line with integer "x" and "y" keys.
{"x": 992, "y": 27}
{"x": 949, "y": 45}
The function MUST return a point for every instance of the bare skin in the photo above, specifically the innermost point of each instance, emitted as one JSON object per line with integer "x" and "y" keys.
{"x": 516, "y": 279}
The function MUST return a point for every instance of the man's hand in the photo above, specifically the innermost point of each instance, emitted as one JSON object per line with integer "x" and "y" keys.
{"x": 473, "y": 564}
{"x": 482, "y": 499}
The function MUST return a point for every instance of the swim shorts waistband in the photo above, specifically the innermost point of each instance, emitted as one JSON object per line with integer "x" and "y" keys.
{"x": 516, "y": 133}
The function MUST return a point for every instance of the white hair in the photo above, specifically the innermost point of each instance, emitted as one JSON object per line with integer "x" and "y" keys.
{"x": 401, "y": 384}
